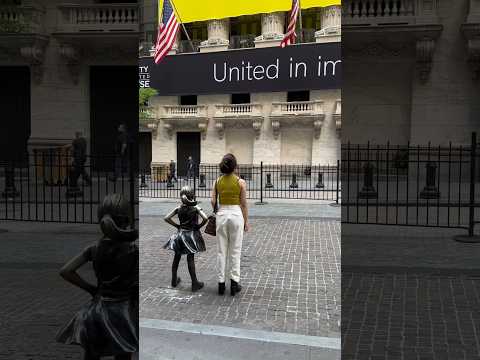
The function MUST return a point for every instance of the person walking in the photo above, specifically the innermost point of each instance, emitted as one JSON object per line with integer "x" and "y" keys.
{"x": 189, "y": 168}
{"x": 121, "y": 152}
{"x": 231, "y": 223}
{"x": 173, "y": 176}
{"x": 79, "y": 158}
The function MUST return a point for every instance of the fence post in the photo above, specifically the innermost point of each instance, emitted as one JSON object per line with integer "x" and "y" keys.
{"x": 338, "y": 182}
{"x": 471, "y": 210}
{"x": 471, "y": 206}
{"x": 132, "y": 187}
{"x": 195, "y": 169}
{"x": 261, "y": 186}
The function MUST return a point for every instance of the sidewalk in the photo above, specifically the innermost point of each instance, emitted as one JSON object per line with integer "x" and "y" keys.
{"x": 290, "y": 278}
{"x": 35, "y": 300}
{"x": 192, "y": 341}
{"x": 409, "y": 293}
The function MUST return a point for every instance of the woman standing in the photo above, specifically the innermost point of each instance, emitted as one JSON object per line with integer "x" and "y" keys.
{"x": 232, "y": 221}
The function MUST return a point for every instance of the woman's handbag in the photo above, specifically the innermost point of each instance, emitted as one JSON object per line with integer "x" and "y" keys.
{"x": 211, "y": 228}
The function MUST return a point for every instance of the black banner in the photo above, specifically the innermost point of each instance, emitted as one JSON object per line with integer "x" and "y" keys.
{"x": 297, "y": 67}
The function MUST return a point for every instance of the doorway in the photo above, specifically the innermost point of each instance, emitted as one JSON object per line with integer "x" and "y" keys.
{"x": 15, "y": 126}
{"x": 188, "y": 144}
{"x": 145, "y": 151}
{"x": 113, "y": 101}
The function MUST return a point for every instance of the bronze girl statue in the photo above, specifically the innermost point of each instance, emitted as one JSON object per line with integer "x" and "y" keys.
{"x": 188, "y": 239}
{"x": 108, "y": 324}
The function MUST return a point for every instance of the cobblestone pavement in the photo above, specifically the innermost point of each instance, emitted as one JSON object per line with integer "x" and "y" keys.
{"x": 409, "y": 294}
{"x": 290, "y": 276}
{"x": 35, "y": 302}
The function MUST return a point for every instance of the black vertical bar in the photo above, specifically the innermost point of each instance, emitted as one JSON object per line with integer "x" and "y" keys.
{"x": 426, "y": 175}
{"x": 132, "y": 188}
{"x": 36, "y": 184}
{"x": 261, "y": 181}
{"x": 388, "y": 180}
{"x": 397, "y": 176}
{"x": 28, "y": 184}
{"x": 418, "y": 179}
{"x": 438, "y": 177}
{"x": 407, "y": 200}
{"x": 378, "y": 182}
{"x": 449, "y": 181}
{"x": 471, "y": 217}
{"x": 460, "y": 186}
{"x": 338, "y": 181}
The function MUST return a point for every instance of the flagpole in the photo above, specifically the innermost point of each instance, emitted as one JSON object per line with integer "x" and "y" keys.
{"x": 181, "y": 22}
{"x": 300, "y": 19}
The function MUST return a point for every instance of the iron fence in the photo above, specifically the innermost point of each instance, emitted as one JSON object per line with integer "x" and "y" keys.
{"x": 47, "y": 186}
{"x": 315, "y": 182}
{"x": 430, "y": 186}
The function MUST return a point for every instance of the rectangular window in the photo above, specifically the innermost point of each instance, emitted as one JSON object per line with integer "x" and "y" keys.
{"x": 240, "y": 98}
{"x": 188, "y": 100}
{"x": 298, "y": 96}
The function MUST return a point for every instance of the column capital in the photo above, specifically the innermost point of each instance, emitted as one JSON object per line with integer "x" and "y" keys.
{"x": 273, "y": 25}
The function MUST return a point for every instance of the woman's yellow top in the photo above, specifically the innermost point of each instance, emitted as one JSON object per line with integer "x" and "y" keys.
{"x": 228, "y": 189}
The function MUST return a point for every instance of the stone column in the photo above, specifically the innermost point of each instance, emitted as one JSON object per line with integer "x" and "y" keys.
{"x": 273, "y": 25}
{"x": 331, "y": 25}
{"x": 218, "y": 36}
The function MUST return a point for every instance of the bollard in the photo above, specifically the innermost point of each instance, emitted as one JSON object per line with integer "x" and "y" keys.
{"x": 320, "y": 184}
{"x": 202, "y": 181}
{"x": 269, "y": 184}
{"x": 10, "y": 190}
{"x": 294, "y": 184}
{"x": 430, "y": 191}
{"x": 368, "y": 191}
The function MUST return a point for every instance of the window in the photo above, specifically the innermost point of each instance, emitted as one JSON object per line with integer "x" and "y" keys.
{"x": 188, "y": 100}
{"x": 298, "y": 96}
{"x": 240, "y": 99}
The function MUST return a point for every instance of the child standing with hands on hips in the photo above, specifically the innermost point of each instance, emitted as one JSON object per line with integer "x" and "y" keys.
{"x": 188, "y": 240}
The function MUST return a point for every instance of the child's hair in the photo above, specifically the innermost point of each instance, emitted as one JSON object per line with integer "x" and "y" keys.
{"x": 115, "y": 218}
{"x": 188, "y": 196}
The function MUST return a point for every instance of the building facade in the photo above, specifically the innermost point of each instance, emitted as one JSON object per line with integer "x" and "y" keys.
{"x": 65, "y": 68}
{"x": 411, "y": 71}
{"x": 298, "y": 127}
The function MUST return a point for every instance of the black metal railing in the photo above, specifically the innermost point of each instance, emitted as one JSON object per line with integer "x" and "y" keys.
{"x": 430, "y": 186}
{"x": 314, "y": 182}
{"x": 48, "y": 187}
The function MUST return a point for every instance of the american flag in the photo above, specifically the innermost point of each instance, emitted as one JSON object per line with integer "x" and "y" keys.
{"x": 167, "y": 32}
{"x": 290, "y": 36}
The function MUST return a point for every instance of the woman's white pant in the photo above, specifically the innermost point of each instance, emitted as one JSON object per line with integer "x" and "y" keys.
{"x": 230, "y": 226}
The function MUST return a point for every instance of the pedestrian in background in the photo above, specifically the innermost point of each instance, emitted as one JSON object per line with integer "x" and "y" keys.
{"x": 79, "y": 158}
{"x": 108, "y": 324}
{"x": 122, "y": 148}
{"x": 173, "y": 176}
{"x": 190, "y": 168}
{"x": 231, "y": 223}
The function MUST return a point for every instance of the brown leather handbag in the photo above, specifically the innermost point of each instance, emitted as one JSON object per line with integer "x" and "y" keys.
{"x": 211, "y": 228}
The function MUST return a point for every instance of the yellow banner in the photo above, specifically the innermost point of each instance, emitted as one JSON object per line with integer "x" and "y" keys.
{"x": 201, "y": 10}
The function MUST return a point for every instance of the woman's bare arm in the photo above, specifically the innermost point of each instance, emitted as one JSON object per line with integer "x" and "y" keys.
{"x": 214, "y": 196}
{"x": 69, "y": 273}
{"x": 202, "y": 215}
{"x": 243, "y": 203}
{"x": 169, "y": 218}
